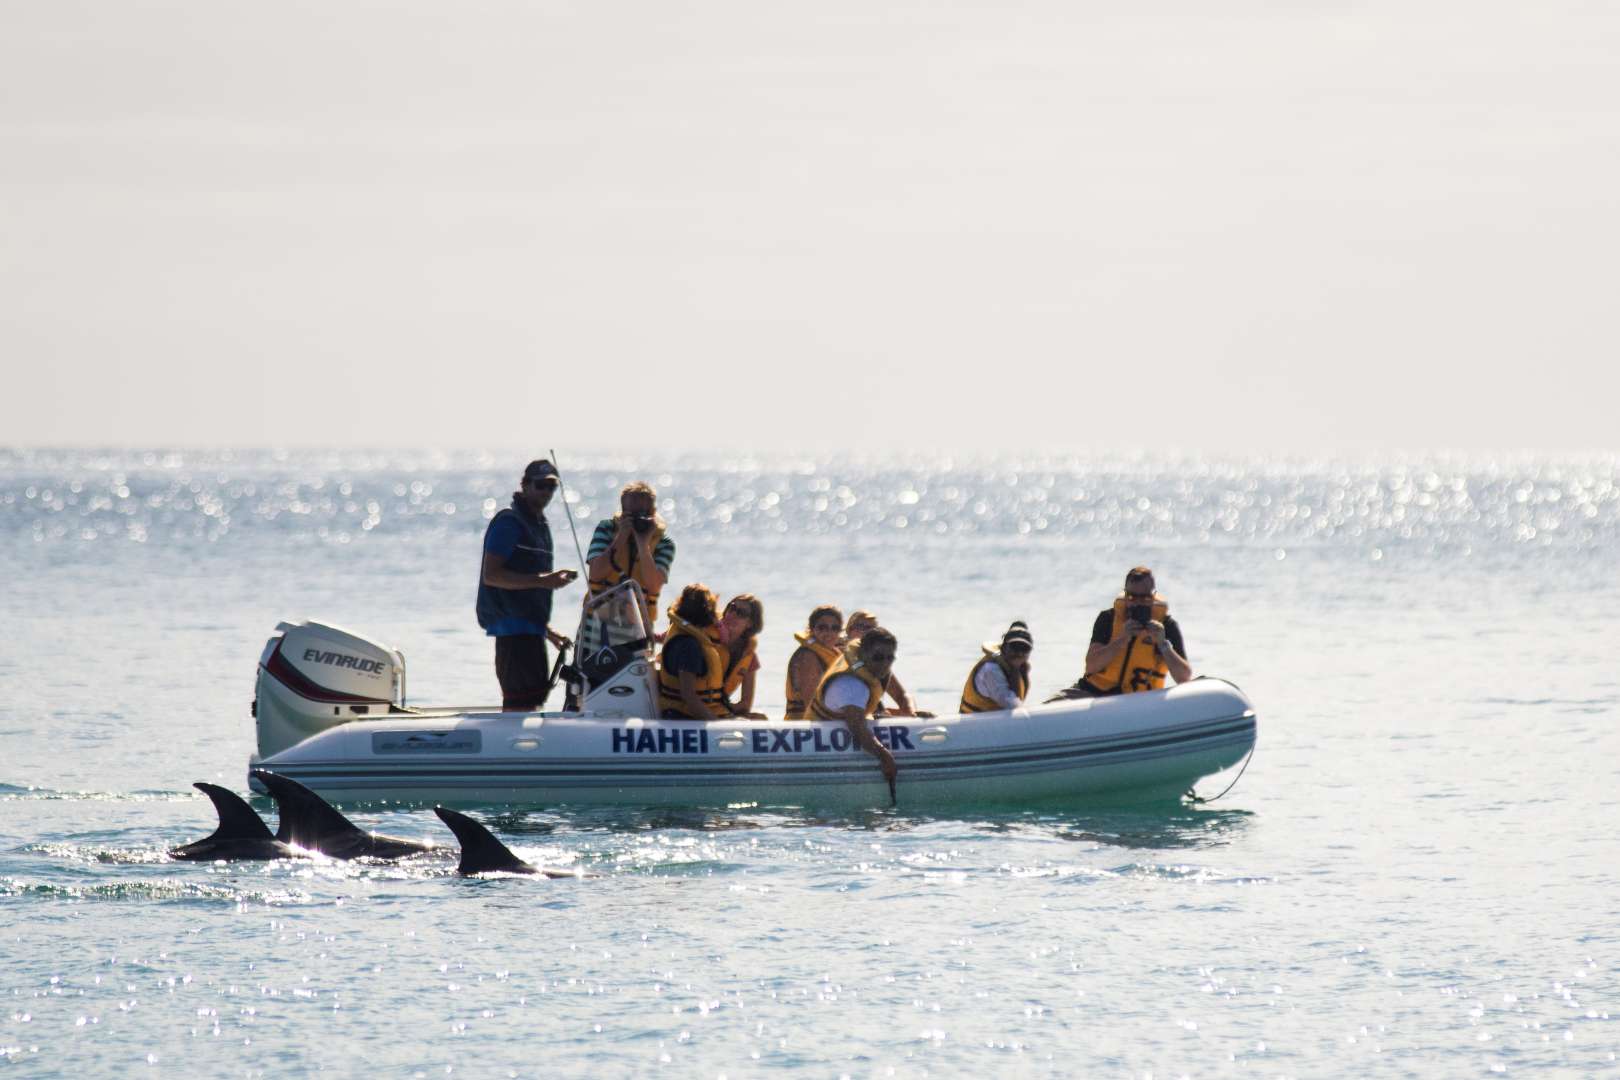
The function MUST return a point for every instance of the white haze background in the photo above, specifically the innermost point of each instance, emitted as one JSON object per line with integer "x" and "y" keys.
{"x": 1297, "y": 228}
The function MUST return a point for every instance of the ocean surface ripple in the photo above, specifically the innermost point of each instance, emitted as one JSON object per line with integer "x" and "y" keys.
{"x": 1415, "y": 876}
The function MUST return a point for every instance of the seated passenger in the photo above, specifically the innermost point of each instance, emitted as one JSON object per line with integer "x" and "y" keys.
{"x": 852, "y": 688}
{"x": 1134, "y": 644}
{"x": 1000, "y": 680}
{"x": 818, "y": 650}
{"x": 861, "y": 621}
{"x": 692, "y": 665}
{"x": 744, "y": 618}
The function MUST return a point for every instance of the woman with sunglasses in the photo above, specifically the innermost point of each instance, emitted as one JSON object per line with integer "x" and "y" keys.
{"x": 818, "y": 650}
{"x": 1000, "y": 680}
{"x": 744, "y": 618}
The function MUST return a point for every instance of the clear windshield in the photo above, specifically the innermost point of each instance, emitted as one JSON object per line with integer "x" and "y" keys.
{"x": 612, "y": 632}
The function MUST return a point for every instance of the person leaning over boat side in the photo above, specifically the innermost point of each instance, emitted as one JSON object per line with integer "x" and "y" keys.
{"x": 861, "y": 621}
{"x": 692, "y": 665}
{"x": 632, "y": 544}
{"x": 818, "y": 650}
{"x": 1000, "y": 680}
{"x": 1134, "y": 644}
{"x": 852, "y": 688}
{"x": 515, "y": 586}
{"x": 740, "y": 625}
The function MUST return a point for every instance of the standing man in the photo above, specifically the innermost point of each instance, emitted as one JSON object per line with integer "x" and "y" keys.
{"x": 1134, "y": 644}
{"x": 632, "y": 544}
{"x": 515, "y": 587}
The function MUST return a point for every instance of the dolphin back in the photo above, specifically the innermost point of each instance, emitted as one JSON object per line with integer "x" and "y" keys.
{"x": 237, "y": 820}
{"x": 481, "y": 852}
{"x": 241, "y": 833}
{"x": 306, "y": 819}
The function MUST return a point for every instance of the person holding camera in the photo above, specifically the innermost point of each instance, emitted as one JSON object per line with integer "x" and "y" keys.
{"x": 515, "y": 584}
{"x": 632, "y": 544}
{"x": 1134, "y": 644}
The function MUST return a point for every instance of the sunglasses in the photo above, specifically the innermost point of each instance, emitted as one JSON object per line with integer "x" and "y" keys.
{"x": 1138, "y": 595}
{"x": 830, "y": 627}
{"x": 741, "y": 613}
{"x": 1016, "y": 650}
{"x": 881, "y": 658}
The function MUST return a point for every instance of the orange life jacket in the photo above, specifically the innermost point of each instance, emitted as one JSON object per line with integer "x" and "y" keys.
{"x": 974, "y": 702}
{"x": 1139, "y": 665}
{"x": 797, "y": 708}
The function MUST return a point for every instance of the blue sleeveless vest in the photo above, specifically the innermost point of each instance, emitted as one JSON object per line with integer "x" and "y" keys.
{"x": 504, "y": 612}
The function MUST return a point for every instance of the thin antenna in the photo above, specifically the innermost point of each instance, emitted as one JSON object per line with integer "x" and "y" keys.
{"x": 563, "y": 491}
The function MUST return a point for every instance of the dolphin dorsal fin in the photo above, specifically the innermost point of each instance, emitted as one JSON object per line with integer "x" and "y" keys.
{"x": 306, "y": 819}
{"x": 481, "y": 852}
{"x": 237, "y": 821}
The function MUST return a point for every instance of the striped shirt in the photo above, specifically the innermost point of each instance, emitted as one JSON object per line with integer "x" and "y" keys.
{"x": 602, "y": 539}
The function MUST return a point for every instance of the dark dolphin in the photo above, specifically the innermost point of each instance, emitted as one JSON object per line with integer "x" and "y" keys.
{"x": 482, "y": 853}
{"x": 309, "y": 821}
{"x": 241, "y": 833}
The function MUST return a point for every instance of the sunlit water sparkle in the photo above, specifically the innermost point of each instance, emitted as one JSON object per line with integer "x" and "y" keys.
{"x": 1416, "y": 876}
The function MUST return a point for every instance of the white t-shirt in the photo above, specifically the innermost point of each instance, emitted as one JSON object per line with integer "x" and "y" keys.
{"x": 844, "y": 691}
{"x": 991, "y": 681}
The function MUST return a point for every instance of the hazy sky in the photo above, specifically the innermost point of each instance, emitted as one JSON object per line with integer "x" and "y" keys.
{"x": 946, "y": 224}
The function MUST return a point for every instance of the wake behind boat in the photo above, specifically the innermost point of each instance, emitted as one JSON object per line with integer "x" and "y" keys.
{"x": 331, "y": 713}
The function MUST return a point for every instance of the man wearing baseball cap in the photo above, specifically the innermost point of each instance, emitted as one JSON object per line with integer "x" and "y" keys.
{"x": 515, "y": 587}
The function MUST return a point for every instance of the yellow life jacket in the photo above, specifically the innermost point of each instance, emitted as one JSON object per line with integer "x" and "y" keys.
{"x": 711, "y": 685}
{"x": 735, "y": 672}
{"x": 973, "y": 701}
{"x": 797, "y": 708}
{"x": 617, "y": 573}
{"x": 874, "y": 688}
{"x": 852, "y": 655}
{"x": 1139, "y": 665}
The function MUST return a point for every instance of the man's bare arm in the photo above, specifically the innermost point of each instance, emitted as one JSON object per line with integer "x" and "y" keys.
{"x": 497, "y": 576}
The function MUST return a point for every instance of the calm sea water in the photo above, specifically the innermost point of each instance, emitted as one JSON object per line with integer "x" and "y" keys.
{"x": 1418, "y": 874}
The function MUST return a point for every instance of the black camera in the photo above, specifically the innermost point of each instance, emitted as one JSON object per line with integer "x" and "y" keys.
{"x": 642, "y": 523}
{"x": 1139, "y": 613}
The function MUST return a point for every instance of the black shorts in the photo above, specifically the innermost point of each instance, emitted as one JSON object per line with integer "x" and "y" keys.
{"x": 522, "y": 666}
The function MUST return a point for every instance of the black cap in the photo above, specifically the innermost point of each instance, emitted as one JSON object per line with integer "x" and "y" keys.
{"x": 539, "y": 470}
{"x": 1017, "y": 634}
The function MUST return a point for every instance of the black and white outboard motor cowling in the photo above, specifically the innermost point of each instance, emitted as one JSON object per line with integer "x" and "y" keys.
{"x": 313, "y": 676}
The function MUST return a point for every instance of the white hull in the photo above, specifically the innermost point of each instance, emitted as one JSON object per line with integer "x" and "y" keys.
{"x": 1138, "y": 748}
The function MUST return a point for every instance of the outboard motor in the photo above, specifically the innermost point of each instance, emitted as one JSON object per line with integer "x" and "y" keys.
{"x": 313, "y": 676}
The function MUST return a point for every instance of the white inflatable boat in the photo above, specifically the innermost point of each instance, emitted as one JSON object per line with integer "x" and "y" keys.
{"x": 331, "y": 713}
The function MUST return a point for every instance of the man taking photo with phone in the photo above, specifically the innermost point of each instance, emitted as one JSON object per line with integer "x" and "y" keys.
{"x": 1134, "y": 644}
{"x": 515, "y": 587}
